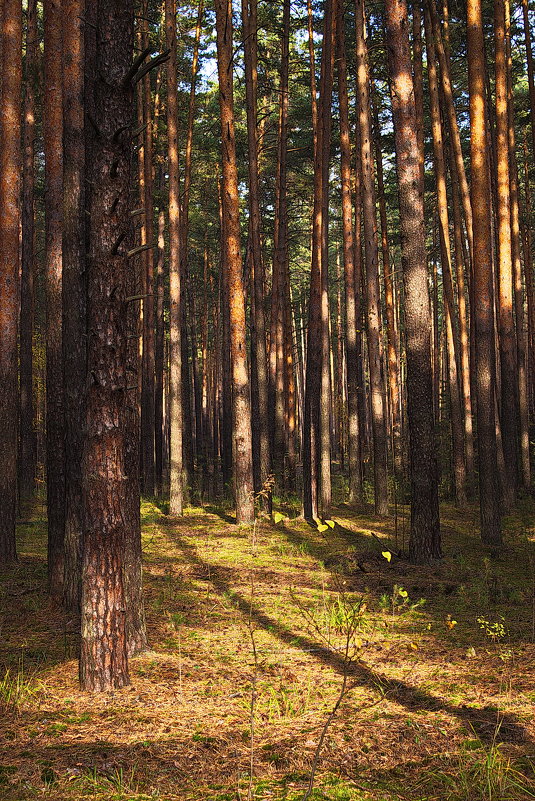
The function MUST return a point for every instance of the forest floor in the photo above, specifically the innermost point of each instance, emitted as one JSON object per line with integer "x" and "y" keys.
{"x": 439, "y": 693}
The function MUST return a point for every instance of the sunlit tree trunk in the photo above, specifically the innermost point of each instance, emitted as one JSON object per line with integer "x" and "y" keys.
{"x": 355, "y": 476}
{"x": 373, "y": 317}
{"x": 506, "y": 326}
{"x": 531, "y": 77}
{"x": 175, "y": 301}
{"x": 424, "y": 543}
{"x": 452, "y": 342}
{"x": 103, "y": 658}
{"x": 482, "y": 278}
{"x": 242, "y": 437}
{"x": 53, "y": 146}
{"x": 10, "y": 170}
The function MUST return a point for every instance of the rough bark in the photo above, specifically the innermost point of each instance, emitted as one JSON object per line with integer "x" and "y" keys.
{"x": 424, "y": 542}
{"x": 103, "y": 659}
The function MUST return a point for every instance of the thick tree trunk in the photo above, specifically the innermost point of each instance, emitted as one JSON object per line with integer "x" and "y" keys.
{"x": 482, "y": 280}
{"x": 242, "y": 437}
{"x": 103, "y": 660}
{"x": 10, "y": 170}
{"x": 175, "y": 299}
{"x": 74, "y": 291}
{"x": 53, "y": 145}
{"x": 424, "y": 543}
{"x": 373, "y": 317}
{"x": 27, "y": 440}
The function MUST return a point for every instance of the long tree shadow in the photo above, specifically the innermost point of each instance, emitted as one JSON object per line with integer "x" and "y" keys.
{"x": 489, "y": 723}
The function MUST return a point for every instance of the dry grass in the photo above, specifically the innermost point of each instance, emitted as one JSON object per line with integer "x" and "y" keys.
{"x": 437, "y": 709}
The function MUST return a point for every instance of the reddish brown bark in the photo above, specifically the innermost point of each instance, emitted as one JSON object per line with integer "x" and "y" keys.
{"x": 10, "y": 169}
{"x": 27, "y": 439}
{"x": 103, "y": 659}
{"x": 482, "y": 281}
{"x": 371, "y": 250}
{"x": 242, "y": 436}
{"x": 53, "y": 146}
{"x": 74, "y": 290}
{"x": 353, "y": 439}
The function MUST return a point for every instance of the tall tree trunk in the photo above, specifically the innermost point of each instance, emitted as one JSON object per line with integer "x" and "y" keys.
{"x": 523, "y": 401}
{"x": 507, "y": 336}
{"x": 27, "y": 442}
{"x": 103, "y": 658}
{"x": 74, "y": 291}
{"x": 424, "y": 543}
{"x": 452, "y": 342}
{"x": 148, "y": 372}
{"x": 313, "y": 423}
{"x": 10, "y": 169}
{"x": 393, "y": 347}
{"x": 175, "y": 300}
{"x": 482, "y": 280}
{"x": 260, "y": 372}
{"x": 242, "y": 436}
{"x": 531, "y": 77}
{"x": 53, "y": 145}
{"x": 158, "y": 357}
{"x": 355, "y": 476}
{"x": 373, "y": 318}
{"x": 451, "y": 116}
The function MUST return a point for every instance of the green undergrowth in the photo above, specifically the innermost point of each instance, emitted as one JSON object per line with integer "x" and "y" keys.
{"x": 259, "y": 632}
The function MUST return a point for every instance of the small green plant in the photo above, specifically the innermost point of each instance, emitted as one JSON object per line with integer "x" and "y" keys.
{"x": 16, "y": 689}
{"x": 398, "y": 601}
{"x": 494, "y": 630}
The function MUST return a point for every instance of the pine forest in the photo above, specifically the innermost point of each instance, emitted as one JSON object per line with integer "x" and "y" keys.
{"x": 267, "y": 400}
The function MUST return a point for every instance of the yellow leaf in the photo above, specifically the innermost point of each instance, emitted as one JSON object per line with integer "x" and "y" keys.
{"x": 277, "y": 517}
{"x": 322, "y": 527}
{"x": 413, "y": 646}
{"x": 451, "y": 624}
{"x": 387, "y": 555}
{"x": 358, "y": 642}
{"x": 330, "y": 523}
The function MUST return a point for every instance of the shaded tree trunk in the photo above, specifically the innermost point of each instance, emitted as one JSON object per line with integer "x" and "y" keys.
{"x": 10, "y": 169}
{"x": 27, "y": 440}
{"x": 424, "y": 543}
{"x": 53, "y": 145}
{"x": 74, "y": 291}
